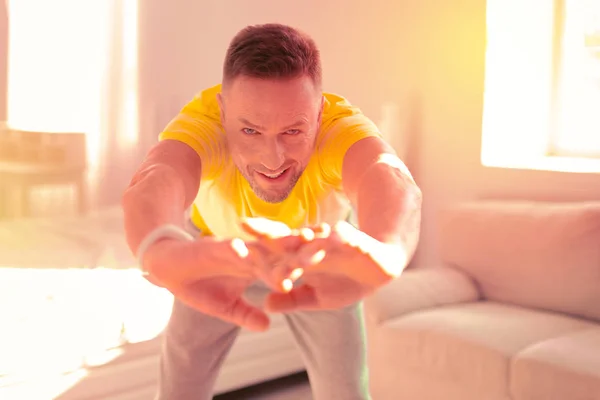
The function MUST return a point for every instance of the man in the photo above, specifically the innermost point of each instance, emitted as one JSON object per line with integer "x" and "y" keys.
{"x": 271, "y": 167}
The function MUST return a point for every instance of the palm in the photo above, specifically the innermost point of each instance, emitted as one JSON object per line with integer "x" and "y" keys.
{"x": 222, "y": 297}
{"x": 212, "y": 275}
{"x": 318, "y": 291}
{"x": 220, "y": 292}
{"x": 334, "y": 291}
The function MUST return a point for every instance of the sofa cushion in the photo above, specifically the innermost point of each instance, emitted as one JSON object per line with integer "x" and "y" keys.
{"x": 419, "y": 289}
{"x": 542, "y": 255}
{"x": 566, "y": 367}
{"x": 471, "y": 344}
{"x": 404, "y": 383}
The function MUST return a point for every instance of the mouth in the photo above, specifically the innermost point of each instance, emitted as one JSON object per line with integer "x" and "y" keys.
{"x": 274, "y": 177}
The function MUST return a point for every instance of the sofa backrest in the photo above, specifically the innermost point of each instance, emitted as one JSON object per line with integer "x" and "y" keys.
{"x": 533, "y": 254}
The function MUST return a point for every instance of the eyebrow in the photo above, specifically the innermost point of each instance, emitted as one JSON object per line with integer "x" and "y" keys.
{"x": 261, "y": 128}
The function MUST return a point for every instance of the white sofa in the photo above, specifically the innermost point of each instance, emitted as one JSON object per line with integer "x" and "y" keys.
{"x": 513, "y": 313}
{"x": 70, "y": 296}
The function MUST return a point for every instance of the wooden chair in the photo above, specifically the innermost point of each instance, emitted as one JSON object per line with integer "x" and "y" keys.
{"x": 29, "y": 159}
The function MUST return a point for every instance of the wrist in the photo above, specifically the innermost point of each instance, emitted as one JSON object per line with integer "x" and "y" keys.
{"x": 390, "y": 256}
{"x": 154, "y": 243}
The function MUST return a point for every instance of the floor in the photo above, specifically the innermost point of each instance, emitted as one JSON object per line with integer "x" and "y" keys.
{"x": 295, "y": 387}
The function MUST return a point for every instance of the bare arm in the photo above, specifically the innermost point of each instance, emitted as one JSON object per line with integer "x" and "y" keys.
{"x": 164, "y": 186}
{"x": 162, "y": 189}
{"x": 344, "y": 265}
{"x": 383, "y": 192}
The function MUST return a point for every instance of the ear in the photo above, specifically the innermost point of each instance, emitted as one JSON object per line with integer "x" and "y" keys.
{"x": 221, "y": 106}
{"x": 322, "y": 107}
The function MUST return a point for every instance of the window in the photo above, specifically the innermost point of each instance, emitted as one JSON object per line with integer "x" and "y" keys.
{"x": 542, "y": 85}
{"x": 577, "y": 96}
{"x": 70, "y": 299}
{"x": 72, "y": 67}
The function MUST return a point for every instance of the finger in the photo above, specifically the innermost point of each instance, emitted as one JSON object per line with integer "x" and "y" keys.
{"x": 287, "y": 273}
{"x": 271, "y": 273}
{"x": 193, "y": 261}
{"x": 307, "y": 234}
{"x": 215, "y": 302}
{"x": 263, "y": 263}
{"x": 263, "y": 228}
{"x": 322, "y": 230}
{"x": 295, "y": 274}
{"x": 277, "y": 265}
{"x": 301, "y": 298}
{"x": 292, "y": 267}
{"x": 311, "y": 254}
{"x": 249, "y": 257}
{"x": 278, "y": 247}
{"x": 272, "y": 282}
{"x": 282, "y": 280}
{"x": 289, "y": 281}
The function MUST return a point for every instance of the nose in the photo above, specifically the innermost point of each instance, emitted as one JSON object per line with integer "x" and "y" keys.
{"x": 273, "y": 155}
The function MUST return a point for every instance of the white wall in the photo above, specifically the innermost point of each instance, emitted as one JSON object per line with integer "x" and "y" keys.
{"x": 186, "y": 42}
{"x": 424, "y": 56}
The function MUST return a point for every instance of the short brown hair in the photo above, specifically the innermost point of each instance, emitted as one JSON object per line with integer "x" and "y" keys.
{"x": 272, "y": 51}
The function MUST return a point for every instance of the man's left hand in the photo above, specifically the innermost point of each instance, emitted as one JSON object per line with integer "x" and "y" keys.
{"x": 339, "y": 265}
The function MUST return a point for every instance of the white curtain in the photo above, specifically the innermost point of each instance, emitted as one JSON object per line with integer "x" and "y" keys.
{"x": 73, "y": 68}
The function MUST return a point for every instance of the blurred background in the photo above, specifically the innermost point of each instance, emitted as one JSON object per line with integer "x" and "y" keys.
{"x": 481, "y": 99}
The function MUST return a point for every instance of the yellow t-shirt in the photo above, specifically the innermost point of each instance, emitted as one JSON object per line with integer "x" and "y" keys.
{"x": 225, "y": 197}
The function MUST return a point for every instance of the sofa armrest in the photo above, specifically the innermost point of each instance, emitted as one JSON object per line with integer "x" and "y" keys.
{"x": 419, "y": 289}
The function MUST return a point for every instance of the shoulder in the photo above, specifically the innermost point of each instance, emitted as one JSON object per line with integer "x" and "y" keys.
{"x": 198, "y": 125}
{"x": 204, "y": 105}
{"x": 342, "y": 125}
{"x": 339, "y": 116}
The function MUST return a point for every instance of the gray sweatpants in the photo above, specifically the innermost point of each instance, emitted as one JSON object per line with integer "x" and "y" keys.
{"x": 332, "y": 344}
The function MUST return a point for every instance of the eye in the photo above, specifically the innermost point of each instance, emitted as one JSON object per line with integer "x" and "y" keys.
{"x": 249, "y": 131}
{"x": 292, "y": 132}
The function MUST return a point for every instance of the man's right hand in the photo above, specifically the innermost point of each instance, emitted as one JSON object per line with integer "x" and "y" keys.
{"x": 210, "y": 276}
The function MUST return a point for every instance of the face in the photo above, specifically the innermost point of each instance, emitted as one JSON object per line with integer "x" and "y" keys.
{"x": 271, "y": 127}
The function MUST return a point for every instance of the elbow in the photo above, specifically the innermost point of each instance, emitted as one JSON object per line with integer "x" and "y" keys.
{"x": 131, "y": 193}
{"x": 171, "y": 168}
{"x": 127, "y": 198}
{"x": 414, "y": 204}
{"x": 156, "y": 181}
{"x": 415, "y": 197}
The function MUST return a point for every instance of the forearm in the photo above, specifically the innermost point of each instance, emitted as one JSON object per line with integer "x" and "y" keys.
{"x": 161, "y": 190}
{"x": 389, "y": 205}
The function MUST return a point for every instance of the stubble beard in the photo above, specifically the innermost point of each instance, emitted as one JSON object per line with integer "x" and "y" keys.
{"x": 271, "y": 196}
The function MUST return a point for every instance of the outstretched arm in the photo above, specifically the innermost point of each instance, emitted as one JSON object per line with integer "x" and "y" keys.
{"x": 384, "y": 194}
{"x": 162, "y": 188}
{"x": 341, "y": 265}
{"x": 207, "y": 274}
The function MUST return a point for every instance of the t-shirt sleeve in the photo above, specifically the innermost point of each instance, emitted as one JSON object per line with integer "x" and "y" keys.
{"x": 337, "y": 138}
{"x": 199, "y": 126}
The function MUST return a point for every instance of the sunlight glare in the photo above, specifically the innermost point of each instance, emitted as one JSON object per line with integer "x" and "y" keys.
{"x": 579, "y": 119}
{"x": 56, "y": 66}
{"x": 64, "y": 321}
{"x": 518, "y": 124}
{"x": 518, "y": 61}
{"x": 129, "y": 95}
{"x": 63, "y": 57}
